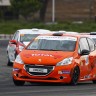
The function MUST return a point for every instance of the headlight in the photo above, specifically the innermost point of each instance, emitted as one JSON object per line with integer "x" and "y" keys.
{"x": 19, "y": 60}
{"x": 66, "y": 61}
{"x": 21, "y": 47}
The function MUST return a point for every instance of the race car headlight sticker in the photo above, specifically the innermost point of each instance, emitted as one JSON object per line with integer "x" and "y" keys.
{"x": 19, "y": 60}
{"x": 66, "y": 61}
{"x": 21, "y": 47}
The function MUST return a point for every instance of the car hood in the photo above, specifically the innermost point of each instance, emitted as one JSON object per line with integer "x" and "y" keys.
{"x": 44, "y": 57}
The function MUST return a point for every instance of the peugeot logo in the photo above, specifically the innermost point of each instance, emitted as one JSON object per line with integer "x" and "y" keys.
{"x": 39, "y": 60}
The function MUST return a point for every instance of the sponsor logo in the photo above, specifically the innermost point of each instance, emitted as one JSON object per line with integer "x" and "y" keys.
{"x": 64, "y": 72}
{"x": 39, "y": 60}
{"x": 16, "y": 69}
{"x": 46, "y": 55}
{"x": 87, "y": 77}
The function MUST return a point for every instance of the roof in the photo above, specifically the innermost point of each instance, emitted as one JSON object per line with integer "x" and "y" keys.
{"x": 34, "y": 31}
{"x": 64, "y": 34}
{"x": 5, "y": 3}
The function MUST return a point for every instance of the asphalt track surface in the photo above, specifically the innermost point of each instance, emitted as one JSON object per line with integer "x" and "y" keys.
{"x": 7, "y": 88}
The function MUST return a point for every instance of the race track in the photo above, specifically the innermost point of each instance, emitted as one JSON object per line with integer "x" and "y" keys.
{"x": 7, "y": 88}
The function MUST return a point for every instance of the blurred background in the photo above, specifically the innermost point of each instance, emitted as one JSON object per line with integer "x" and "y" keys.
{"x": 70, "y": 15}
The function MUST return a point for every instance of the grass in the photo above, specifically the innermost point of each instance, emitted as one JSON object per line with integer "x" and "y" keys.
{"x": 9, "y": 27}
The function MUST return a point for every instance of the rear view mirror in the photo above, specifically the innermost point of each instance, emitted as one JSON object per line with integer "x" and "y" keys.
{"x": 13, "y": 41}
{"x": 84, "y": 52}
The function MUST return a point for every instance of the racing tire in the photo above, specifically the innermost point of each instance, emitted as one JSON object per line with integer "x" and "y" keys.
{"x": 16, "y": 55}
{"x": 94, "y": 81}
{"x": 9, "y": 63}
{"x": 75, "y": 76}
{"x": 18, "y": 83}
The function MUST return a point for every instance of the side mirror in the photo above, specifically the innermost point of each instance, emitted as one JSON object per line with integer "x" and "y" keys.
{"x": 13, "y": 41}
{"x": 84, "y": 52}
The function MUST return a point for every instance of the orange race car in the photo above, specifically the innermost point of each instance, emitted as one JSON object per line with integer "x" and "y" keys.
{"x": 56, "y": 58}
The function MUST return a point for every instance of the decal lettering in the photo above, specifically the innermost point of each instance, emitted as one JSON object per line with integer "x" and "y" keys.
{"x": 46, "y": 55}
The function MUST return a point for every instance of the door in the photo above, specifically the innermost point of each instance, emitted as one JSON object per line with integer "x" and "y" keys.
{"x": 84, "y": 59}
{"x": 92, "y": 56}
{"x": 12, "y": 47}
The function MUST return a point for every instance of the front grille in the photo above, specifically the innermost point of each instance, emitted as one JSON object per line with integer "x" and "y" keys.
{"x": 48, "y": 68}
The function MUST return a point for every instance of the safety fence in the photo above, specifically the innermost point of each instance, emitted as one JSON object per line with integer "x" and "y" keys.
{"x": 5, "y": 36}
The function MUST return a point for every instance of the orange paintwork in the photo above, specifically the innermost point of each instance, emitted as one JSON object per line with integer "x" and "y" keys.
{"x": 51, "y": 58}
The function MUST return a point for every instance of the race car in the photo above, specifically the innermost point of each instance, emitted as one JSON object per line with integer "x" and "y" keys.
{"x": 20, "y": 40}
{"x": 56, "y": 58}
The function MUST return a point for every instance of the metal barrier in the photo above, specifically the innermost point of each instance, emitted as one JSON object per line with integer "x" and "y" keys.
{"x": 6, "y": 36}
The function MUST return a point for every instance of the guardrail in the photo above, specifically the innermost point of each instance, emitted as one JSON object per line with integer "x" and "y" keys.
{"x": 6, "y": 36}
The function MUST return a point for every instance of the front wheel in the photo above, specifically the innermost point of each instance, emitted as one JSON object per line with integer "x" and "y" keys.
{"x": 75, "y": 76}
{"x": 18, "y": 83}
{"x": 94, "y": 81}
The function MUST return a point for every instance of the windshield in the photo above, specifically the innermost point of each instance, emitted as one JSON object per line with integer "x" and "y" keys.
{"x": 53, "y": 44}
{"x": 27, "y": 37}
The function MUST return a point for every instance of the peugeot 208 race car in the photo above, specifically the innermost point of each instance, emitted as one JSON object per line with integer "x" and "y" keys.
{"x": 56, "y": 58}
{"x": 20, "y": 40}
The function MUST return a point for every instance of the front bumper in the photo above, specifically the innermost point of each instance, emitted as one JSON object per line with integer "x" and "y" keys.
{"x": 58, "y": 75}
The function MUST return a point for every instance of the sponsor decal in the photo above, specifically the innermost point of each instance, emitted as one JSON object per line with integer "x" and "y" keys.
{"x": 21, "y": 34}
{"x": 87, "y": 76}
{"x": 59, "y": 72}
{"x": 16, "y": 69}
{"x": 64, "y": 72}
{"x": 82, "y": 78}
{"x": 64, "y": 77}
{"x": 87, "y": 60}
{"x": 41, "y": 54}
{"x": 57, "y": 38}
{"x": 46, "y": 55}
{"x": 35, "y": 39}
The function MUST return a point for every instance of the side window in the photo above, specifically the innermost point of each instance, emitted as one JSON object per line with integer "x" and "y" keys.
{"x": 91, "y": 44}
{"x": 83, "y": 44}
{"x": 16, "y": 35}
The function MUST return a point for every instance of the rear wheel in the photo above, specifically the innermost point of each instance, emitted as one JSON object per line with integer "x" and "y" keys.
{"x": 18, "y": 83}
{"x": 75, "y": 76}
{"x": 9, "y": 63}
{"x": 16, "y": 55}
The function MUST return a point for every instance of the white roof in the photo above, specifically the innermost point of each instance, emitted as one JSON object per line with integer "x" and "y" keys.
{"x": 34, "y": 31}
{"x": 71, "y": 32}
{"x": 66, "y": 32}
{"x": 57, "y": 38}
